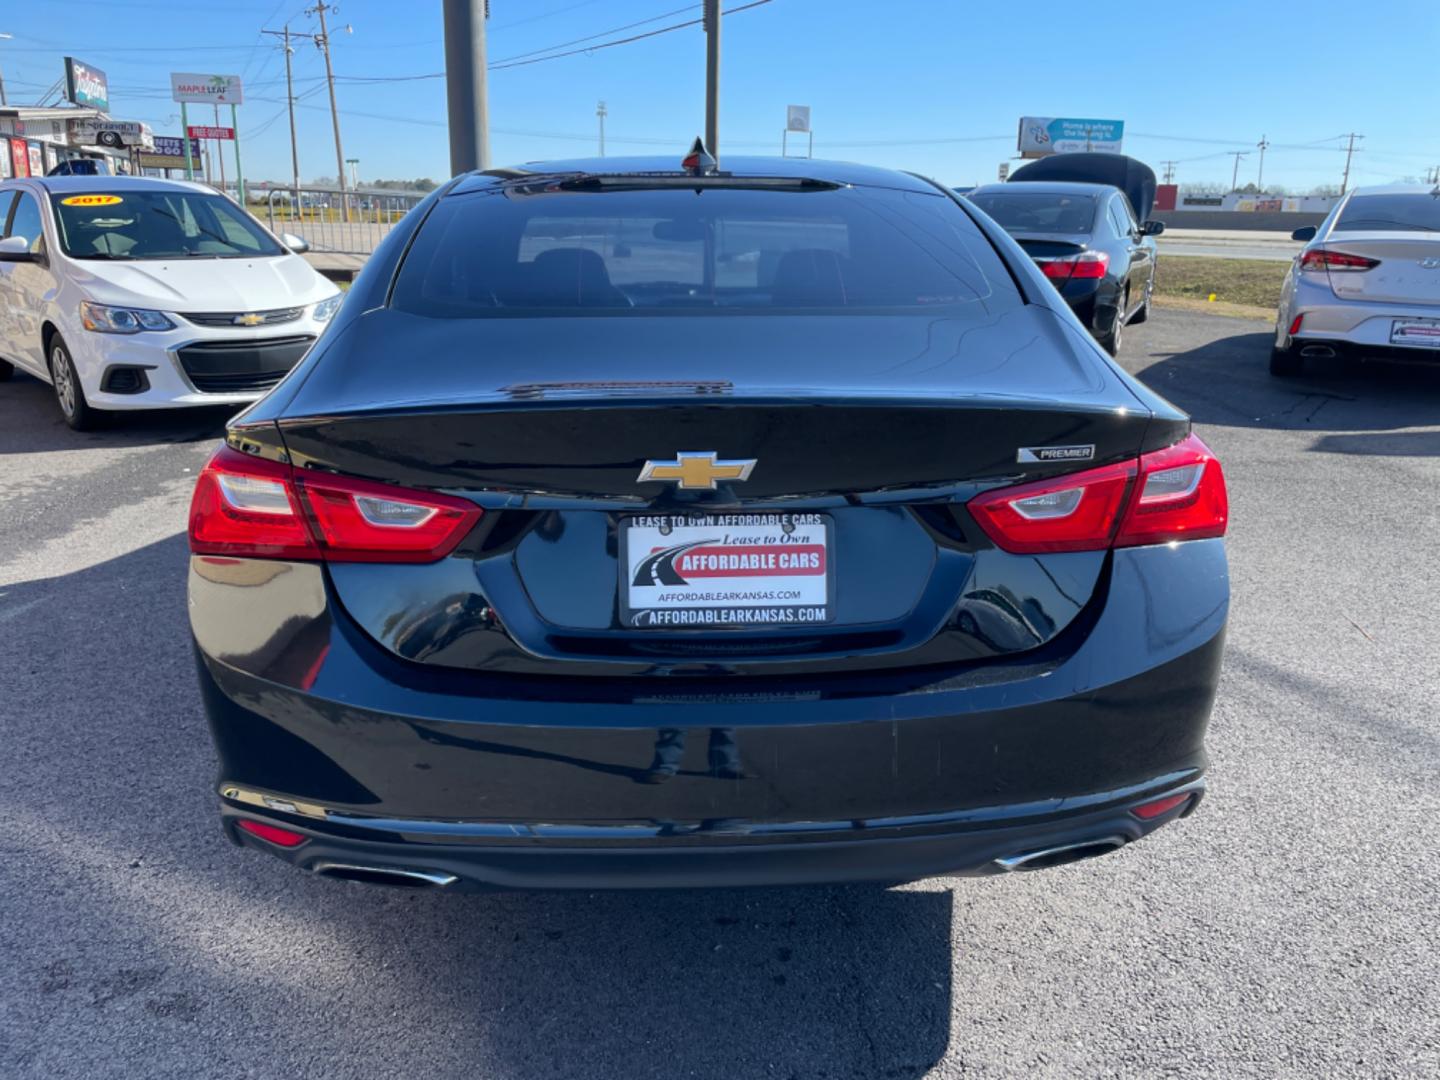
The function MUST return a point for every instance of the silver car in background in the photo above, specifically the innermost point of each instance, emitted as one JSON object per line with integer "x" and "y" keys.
{"x": 1367, "y": 282}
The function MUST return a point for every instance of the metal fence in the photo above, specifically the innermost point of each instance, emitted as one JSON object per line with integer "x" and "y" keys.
{"x": 352, "y": 223}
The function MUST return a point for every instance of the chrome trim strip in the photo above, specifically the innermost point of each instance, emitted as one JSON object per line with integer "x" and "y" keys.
{"x": 429, "y": 877}
{"x": 461, "y": 831}
{"x": 1019, "y": 862}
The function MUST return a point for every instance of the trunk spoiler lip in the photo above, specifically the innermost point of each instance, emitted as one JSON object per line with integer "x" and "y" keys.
{"x": 536, "y": 396}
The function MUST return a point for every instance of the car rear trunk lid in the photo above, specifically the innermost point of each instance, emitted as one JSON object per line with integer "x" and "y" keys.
{"x": 549, "y": 423}
{"x": 1409, "y": 270}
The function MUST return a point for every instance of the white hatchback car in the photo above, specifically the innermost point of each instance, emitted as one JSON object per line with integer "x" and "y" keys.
{"x": 1366, "y": 284}
{"x": 131, "y": 293}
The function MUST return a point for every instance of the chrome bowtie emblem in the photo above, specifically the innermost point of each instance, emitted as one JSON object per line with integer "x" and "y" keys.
{"x": 695, "y": 471}
{"x": 248, "y": 319}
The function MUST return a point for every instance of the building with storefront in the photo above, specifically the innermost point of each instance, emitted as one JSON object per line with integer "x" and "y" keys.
{"x": 37, "y": 138}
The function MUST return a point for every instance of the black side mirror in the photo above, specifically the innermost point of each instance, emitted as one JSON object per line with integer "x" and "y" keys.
{"x": 1304, "y": 234}
{"x": 1152, "y": 228}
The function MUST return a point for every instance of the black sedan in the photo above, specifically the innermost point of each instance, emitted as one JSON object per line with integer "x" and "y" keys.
{"x": 643, "y": 525}
{"x": 1086, "y": 238}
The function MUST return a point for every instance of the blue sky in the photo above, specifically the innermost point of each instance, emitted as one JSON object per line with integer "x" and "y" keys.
{"x": 936, "y": 87}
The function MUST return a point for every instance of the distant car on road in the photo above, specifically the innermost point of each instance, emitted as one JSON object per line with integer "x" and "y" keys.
{"x": 1089, "y": 238}
{"x": 1367, "y": 282}
{"x": 642, "y": 525}
{"x": 128, "y": 293}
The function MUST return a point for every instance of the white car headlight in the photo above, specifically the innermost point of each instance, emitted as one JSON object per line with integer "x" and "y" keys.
{"x": 326, "y": 308}
{"x": 118, "y": 320}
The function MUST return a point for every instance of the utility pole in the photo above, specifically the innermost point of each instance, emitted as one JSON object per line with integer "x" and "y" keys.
{"x": 1349, "y": 153}
{"x": 1235, "y": 175}
{"x": 290, "y": 104}
{"x": 601, "y": 113}
{"x": 466, "y": 87}
{"x": 1169, "y": 171}
{"x": 219, "y": 151}
{"x": 322, "y": 39}
{"x": 712, "y": 78}
{"x": 1263, "y": 145}
{"x": 3, "y": 100}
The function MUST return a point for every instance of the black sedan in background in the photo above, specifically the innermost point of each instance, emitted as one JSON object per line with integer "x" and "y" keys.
{"x": 1087, "y": 237}
{"x": 644, "y": 524}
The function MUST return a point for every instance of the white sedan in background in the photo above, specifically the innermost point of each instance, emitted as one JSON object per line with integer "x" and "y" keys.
{"x": 131, "y": 293}
{"x": 1367, "y": 282}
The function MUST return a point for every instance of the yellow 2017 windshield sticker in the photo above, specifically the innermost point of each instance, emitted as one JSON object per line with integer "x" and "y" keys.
{"x": 91, "y": 200}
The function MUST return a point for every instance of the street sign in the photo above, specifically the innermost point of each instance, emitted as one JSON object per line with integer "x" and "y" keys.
{"x": 1041, "y": 136}
{"x": 1004, "y": 171}
{"x": 86, "y": 85}
{"x": 797, "y": 117}
{"x": 206, "y": 89}
{"x": 197, "y": 132}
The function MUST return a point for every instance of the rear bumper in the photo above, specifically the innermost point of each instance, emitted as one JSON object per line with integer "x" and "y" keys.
{"x": 462, "y": 859}
{"x": 1353, "y": 328}
{"x": 661, "y": 781}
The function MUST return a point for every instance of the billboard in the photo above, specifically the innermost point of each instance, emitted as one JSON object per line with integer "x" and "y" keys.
{"x": 206, "y": 89}
{"x": 797, "y": 117}
{"x": 86, "y": 85}
{"x": 169, "y": 153}
{"x": 1041, "y": 136}
{"x": 113, "y": 134}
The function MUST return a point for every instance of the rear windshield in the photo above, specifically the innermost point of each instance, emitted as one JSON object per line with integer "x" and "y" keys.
{"x": 668, "y": 251}
{"x": 1390, "y": 212}
{"x": 1038, "y": 211}
{"x": 157, "y": 225}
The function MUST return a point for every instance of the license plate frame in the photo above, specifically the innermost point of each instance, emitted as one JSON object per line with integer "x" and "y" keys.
{"x": 755, "y": 595}
{"x": 1428, "y": 339}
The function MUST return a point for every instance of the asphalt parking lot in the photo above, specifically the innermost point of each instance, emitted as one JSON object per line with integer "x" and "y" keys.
{"x": 1287, "y": 929}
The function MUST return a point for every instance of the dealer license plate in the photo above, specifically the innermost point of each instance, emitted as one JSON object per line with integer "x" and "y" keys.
{"x": 696, "y": 571}
{"x": 1422, "y": 332}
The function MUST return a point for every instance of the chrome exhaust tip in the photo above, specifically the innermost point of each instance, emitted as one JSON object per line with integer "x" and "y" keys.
{"x": 1318, "y": 352}
{"x": 1060, "y": 855}
{"x": 385, "y": 875}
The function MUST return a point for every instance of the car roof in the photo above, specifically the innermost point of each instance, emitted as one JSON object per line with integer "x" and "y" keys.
{"x": 835, "y": 172}
{"x": 1397, "y": 189}
{"x": 1056, "y": 187}
{"x": 65, "y": 185}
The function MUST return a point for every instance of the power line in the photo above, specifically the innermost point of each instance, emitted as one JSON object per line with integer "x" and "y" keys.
{"x": 625, "y": 41}
{"x": 601, "y": 34}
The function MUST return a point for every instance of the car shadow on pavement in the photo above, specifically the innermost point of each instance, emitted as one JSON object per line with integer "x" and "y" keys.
{"x": 30, "y": 422}
{"x": 1227, "y": 382}
{"x": 131, "y": 923}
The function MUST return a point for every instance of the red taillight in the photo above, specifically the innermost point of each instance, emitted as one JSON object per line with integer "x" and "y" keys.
{"x": 273, "y": 833}
{"x": 1295, "y": 324}
{"x": 1159, "y": 806}
{"x": 245, "y": 505}
{"x": 1087, "y": 265}
{"x": 1173, "y": 494}
{"x": 1180, "y": 496}
{"x": 1069, "y": 513}
{"x": 1320, "y": 259}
